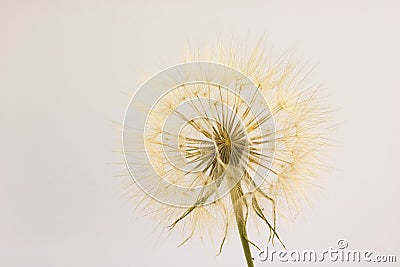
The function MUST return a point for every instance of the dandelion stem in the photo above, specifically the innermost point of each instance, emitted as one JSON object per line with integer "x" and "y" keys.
{"x": 238, "y": 204}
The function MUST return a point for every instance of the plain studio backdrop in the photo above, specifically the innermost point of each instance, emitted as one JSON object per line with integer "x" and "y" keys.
{"x": 69, "y": 68}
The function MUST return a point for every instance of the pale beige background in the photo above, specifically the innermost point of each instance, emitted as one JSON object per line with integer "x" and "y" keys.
{"x": 68, "y": 68}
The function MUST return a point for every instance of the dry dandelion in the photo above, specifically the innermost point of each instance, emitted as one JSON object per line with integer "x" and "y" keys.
{"x": 222, "y": 138}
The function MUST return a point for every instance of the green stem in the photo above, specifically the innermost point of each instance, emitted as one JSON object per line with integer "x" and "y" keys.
{"x": 237, "y": 202}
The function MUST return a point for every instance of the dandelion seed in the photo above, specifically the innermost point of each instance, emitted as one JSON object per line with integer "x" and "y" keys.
{"x": 214, "y": 142}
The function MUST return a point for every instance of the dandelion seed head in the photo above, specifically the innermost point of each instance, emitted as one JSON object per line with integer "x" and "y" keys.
{"x": 200, "y": 131}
